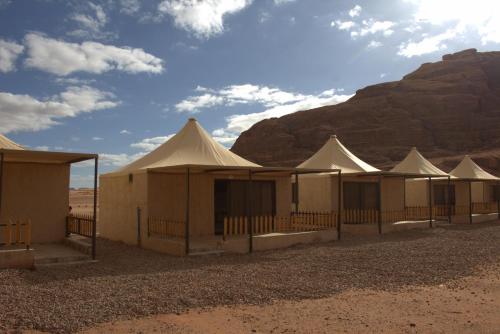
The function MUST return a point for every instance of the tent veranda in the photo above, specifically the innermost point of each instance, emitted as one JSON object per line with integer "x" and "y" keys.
{"x": 192, "y": 190}
{"x": 34, "y": 194}
{"x": 367, "y": 195}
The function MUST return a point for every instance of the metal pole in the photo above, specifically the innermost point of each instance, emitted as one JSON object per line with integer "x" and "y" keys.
{"x": 497, "y": 194}
{"x": 339, "y": 209}
{"x": 94, "y": 221}
{"x": 139, "y": 226}
{"x": 430, "y": 201}
{"x": 296, "y": 192}
{"x": 186, "y": 226}
{"x": 249, "y": 212}
{"x": 1, "y": 179}
{"x": 379, "y": 204}
{"x": 449, "y": 200}
{"x": 470, "y": 202}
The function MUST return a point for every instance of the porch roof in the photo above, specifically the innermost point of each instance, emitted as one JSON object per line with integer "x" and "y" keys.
{"x": 43, "y": 157}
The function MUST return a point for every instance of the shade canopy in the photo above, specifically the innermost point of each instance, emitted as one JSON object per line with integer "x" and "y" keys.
{"x": 191, "y": 146}
{"x": 416, "y": 164}
{"x": 334, "y": 155}
{"x": 469, "y": 170}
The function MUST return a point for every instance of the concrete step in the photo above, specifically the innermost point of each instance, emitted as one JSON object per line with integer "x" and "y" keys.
{"x": 203, "y": 252}
{"x": 61, "y": 260}
{"x": 81, "y": 244}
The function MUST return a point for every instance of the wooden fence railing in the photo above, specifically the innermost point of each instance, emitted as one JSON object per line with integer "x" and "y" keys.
{"x": 165, "y": 228}
{"x": 296, "y": 222}
{"x": 359, "y": 216}
{"x": 81, "y": 224}
{"x": 16, "y": 233}
{"x": 484, "y": 207}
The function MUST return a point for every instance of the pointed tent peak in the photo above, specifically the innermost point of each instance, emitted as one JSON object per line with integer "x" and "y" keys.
{"x": 192, "y": 145}
{"x": 192, "y": 119}
{"x": 334, "y": 155}
{"x": 415, "y": 163}
{"x": 468, "y": 169}
{"x": 7, "y": 144}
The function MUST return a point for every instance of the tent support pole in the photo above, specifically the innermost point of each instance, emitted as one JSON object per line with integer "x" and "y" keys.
{"x": 470, "y": 202}
{"x": 379, "y": 204}
{"x": 497, "y": 194}
{"x": 1, "y": 179}
{"x": 94, "y": 220}
{"x": 449, "y": 200}
{"x": 186, "y": 226}
{"x": 339, "y": 205}
{"x": 249, "y": 212}
{"x": 404, "y": 193}
{"x": 296, "y": 192}
{"x": 430, "y": 201}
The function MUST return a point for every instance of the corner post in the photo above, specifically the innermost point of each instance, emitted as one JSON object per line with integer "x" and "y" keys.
{"x": 470, "y": 202}
{"x": 339, "y": 205}
{"x": 430, "y": 201}
{"x": 1, "y": 179}
{"x": 497, "y": 194}
{"x": 186, "y": 225}
{"x": 296, "y": 192}
{"x": 249, "y": 212}
{"x": 449, "y": 199}
{"x": 94, "y": 220}
{"x": 379, "y": 204}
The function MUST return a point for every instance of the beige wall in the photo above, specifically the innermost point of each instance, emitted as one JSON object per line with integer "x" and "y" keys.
{"x": 118, "y": 202}
{"x": 164, "y": 195}
{"x": 417, "y": 192}
{"x": 320, "y": 192}
{"x": 39, "y": 192}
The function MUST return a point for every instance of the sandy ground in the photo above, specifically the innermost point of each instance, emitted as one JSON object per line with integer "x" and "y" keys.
{"x": 471, "y": 305}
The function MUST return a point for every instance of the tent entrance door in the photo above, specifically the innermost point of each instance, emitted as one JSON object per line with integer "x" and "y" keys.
{"x": 230, "y": 200}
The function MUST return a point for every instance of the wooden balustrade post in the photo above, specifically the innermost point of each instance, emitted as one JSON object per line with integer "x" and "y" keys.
{"x": 27, "y": 237}
{"x": 430, "y": 201}
{"x": 470, "y": 202}
{"x": 186, "y": 224}
{"x": 249, "y": 212}
{"x": 94, "y": 218}
{"x": 379, "y": 204}
{"x": 339, "y": 205}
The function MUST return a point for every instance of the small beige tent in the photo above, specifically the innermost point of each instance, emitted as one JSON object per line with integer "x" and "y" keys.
{"x": 418, "y": 191}
{"x": 367, "y": 196}
{"x": 478, "y": 187}
{"x": 34, "y": 191}
{"x": 189, "y": 193}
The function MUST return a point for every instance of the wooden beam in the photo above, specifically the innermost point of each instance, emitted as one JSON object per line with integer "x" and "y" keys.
{"x": 379, "y": 204}
{"x": 249, "y": 212}
{"x": 339, "y": 208}
{"x": 94, "y": 220}
{"x": 186, "y": 225}
{"x": 449, "y": 200}
{"x": 470, "y": 202}
{"x": 430, "y": 201}
{"x": 296, "y": 192}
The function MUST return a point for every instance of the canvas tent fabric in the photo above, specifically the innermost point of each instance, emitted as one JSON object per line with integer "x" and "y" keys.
{"x": 7, "y": 144}
{"x": 416, "y": 164}
{"x": 468, "y": 169}
{"x": 192, "y": 145}
{"x": 334, "y": 155}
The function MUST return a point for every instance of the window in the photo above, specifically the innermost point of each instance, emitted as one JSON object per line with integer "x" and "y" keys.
{"x": 360, "y": 195}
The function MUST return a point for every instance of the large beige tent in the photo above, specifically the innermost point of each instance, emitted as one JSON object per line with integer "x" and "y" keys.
{"x": 367, "y": 195}
{"x": 181, "y": 194}
{"x": 418, "y": 188}
{"x": 34, "y": 187}
{"x": 480, "y": 192}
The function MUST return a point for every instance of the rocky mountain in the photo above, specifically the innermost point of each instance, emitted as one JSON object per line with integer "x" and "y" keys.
{"x": 446, "y": 109}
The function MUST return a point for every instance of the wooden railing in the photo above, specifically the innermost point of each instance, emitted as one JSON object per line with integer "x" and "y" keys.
{"x": 16, "y": 233}
{"x": 416, "y": 212}
{"x": 359, "y": 216}
{"x": 393, "y": 216}
{"x": 81, "y": 224}
{"x": 484, "y": 207}
{"x": 296, "y": 222}
{"x": 165, "y": 228}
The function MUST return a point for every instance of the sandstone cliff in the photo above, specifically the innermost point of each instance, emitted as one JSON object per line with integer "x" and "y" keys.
{"x": 446, "y": 109}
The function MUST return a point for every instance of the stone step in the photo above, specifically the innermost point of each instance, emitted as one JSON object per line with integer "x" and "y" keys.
{"x": 80, "y": 244}
{"x": 61, "y": 260}
{"x": 203, "y": 252}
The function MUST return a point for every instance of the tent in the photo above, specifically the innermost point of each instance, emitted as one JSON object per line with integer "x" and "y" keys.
{"x": 189, "y": 191}
{"x": 480, "y": 192}
{"x": 368, "y": 195}
{"x": 418, "y": 193}
{"x": 34, "y": 191}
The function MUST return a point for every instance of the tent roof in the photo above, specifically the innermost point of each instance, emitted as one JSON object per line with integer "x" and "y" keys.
{"x": 13, "y": 152}
{"x": 191, "y": 146}
{"x": 334, "y": 155}
{"x": 6, "y": 143}
{"x": 468, "y": 169}
{"x": 416, "y": 164}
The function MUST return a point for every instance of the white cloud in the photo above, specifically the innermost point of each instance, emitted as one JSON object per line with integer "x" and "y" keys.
{"x": 73, "y": 81}
{"x": 426, "y": 45}
{"x": 374, "y": 44}
{"x": 130, "y": 7}
{"x": 97, "y": 138}
{"x": 203, "y": 18}
{"x": 125, "y": 132}
{"x": 277, "y": 102}
{"x": 91, "y": 22}
{"x": 355, "y": 11}
{"x": 26, "y": 113}
{"x": 149, "y": 144}
{"x": 9, "y": 51}
{"x": 282, "y": 2}
{"x": 343, "y": 25}
{"x": 42, "y": 148}
{"x": 372, "y": 27}
{"x": 63, "y": 58}
{"x": 236, "y": 94}
{"x": 118, "y": 160}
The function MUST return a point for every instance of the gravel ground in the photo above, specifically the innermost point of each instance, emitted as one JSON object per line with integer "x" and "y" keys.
{"x": 128, "y": 282}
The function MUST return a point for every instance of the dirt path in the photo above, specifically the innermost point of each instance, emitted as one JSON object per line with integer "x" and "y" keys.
{"x": 471, "y": 305}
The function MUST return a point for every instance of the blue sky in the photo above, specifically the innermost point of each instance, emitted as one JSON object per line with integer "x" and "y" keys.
{"x": 118, "y": 77}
